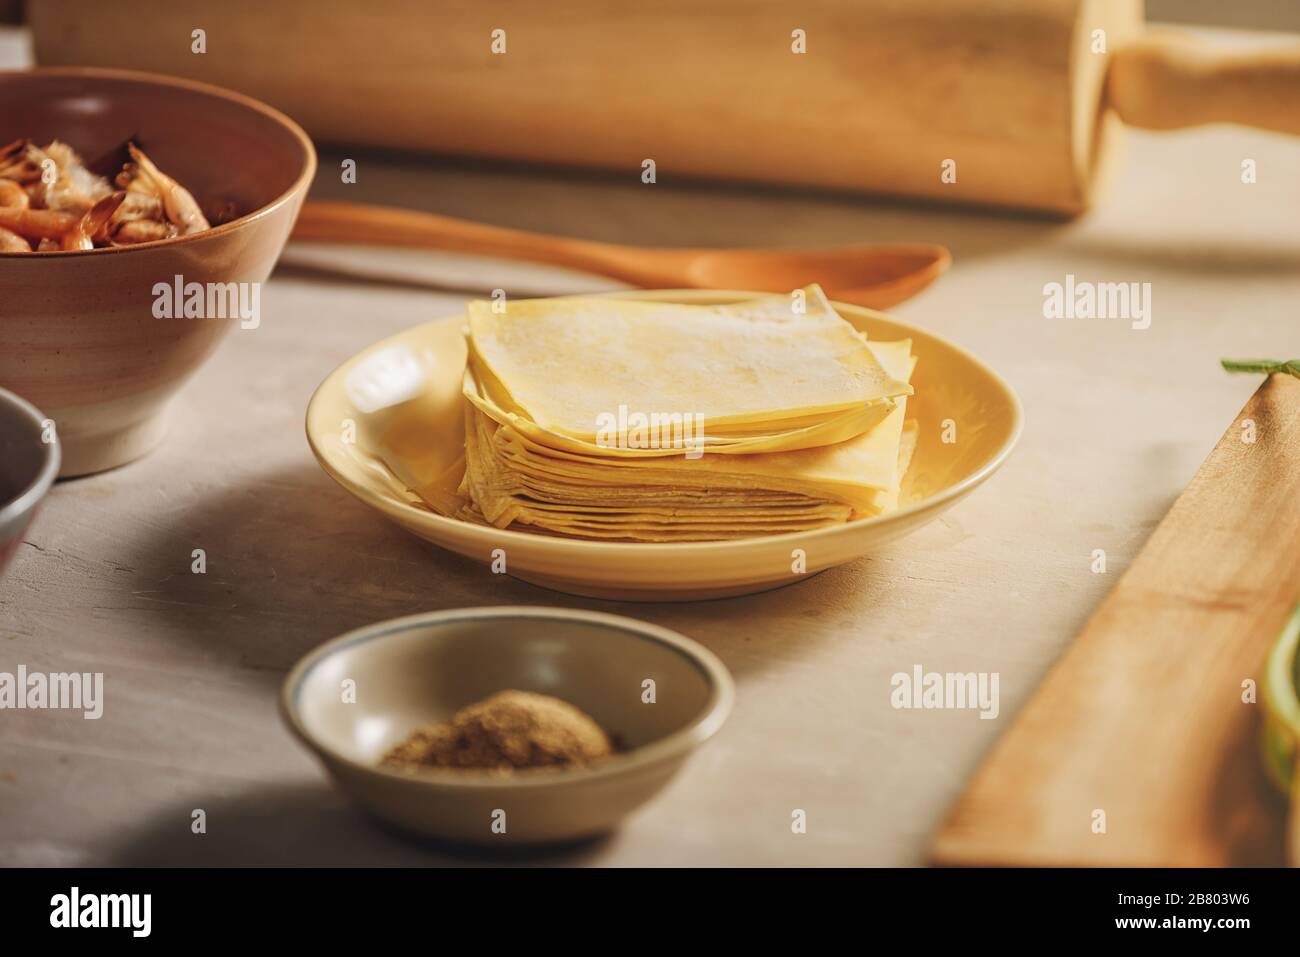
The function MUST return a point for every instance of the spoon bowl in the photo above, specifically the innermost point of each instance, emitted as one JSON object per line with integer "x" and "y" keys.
{"x": 875, "y": 276}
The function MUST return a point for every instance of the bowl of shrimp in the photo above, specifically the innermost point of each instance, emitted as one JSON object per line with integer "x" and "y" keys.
{"x": 139, "y": 217}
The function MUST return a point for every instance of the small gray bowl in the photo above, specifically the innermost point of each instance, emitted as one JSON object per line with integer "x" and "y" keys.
{"x": 353, "y": 698}
{"x": 28, "y": 466}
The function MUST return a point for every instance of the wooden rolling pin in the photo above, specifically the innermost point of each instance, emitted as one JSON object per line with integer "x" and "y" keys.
{"x": 1140, "y": 748}
{"x": 1008, "y": 97}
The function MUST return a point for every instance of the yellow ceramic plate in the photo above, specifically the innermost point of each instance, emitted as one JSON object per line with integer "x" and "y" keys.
{"x": 391, "y": 418}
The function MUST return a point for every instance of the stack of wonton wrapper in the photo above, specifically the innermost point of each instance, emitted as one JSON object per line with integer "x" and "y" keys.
{"x": 624, "y": 420}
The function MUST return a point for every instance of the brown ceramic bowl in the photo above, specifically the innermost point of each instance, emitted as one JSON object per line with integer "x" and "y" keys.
{"x": 29, "y": 460}
{"x": 80, "y": 335}
{"x": 414, "y": 671}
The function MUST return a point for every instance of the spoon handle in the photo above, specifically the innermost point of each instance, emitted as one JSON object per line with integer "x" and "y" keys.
{"x": 364, "y": 224}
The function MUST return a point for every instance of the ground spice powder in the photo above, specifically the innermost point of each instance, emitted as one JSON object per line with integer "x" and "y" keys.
{"x": 509, "y": 731}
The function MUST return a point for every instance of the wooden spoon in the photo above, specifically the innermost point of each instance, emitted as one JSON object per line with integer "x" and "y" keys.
{"x": 876, "y": 276}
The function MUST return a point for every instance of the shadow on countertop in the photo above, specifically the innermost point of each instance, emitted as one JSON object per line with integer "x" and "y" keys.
{"x": 312, "y": 827}
{"x": 293, "y": 561}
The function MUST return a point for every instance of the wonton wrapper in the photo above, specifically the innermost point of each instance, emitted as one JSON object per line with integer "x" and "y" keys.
{"x": 510, "y": 478}
{"x": 759, "y": 367}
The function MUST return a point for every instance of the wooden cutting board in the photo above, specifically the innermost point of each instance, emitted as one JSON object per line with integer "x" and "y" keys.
{"x": 1143, "y": 719}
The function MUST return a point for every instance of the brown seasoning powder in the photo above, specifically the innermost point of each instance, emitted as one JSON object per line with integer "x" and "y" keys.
{"x": 509, "y": 731}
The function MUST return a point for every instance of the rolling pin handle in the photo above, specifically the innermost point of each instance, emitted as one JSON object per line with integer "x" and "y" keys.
{"x": 1170, "y": 80}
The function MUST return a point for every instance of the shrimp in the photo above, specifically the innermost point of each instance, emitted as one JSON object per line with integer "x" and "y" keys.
{"x": 37, "y": 223}
{"x": 93, "y": 225}
{"x": 74, "y": 188}
{"x": 20, "y": 161}
{"x": 51, "y": 200}
{"x": 53, "y": 178}
{"x": 181, "y": 209}
{"x": 13, "y": 195}
{"x": 128, "y": 232}
{"x": 11, "y": 242}
{"x": 139, "y": 205}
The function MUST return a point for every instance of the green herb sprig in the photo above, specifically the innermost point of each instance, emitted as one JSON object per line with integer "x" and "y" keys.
{"x": 1262, "y": 366}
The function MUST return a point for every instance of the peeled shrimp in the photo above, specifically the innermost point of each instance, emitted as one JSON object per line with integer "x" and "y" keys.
{"x": 37, "y": 223}
{"x": 11, "y": 242}
{"x": 13, "y": 195}
{"x": 181, "y": 209}
{"x": 50, "y": 200}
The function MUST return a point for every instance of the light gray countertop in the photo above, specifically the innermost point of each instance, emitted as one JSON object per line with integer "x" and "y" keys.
{"x": 1117, "y": 421}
